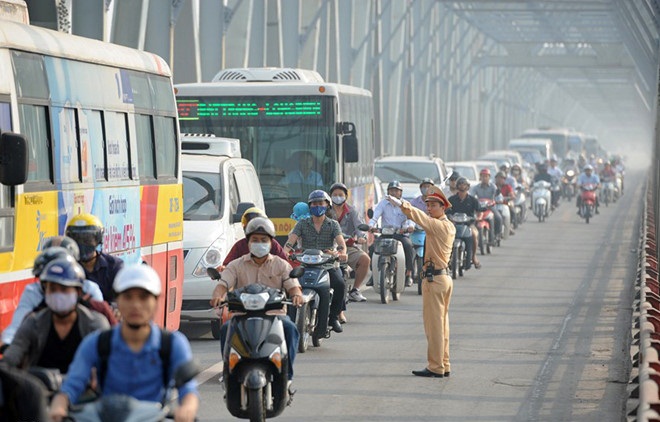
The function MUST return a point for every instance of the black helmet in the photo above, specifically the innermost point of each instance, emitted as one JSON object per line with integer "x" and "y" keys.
{"x": 462, "y": 181}
{"x": 339, "y": 186}
{"x": 500, "y": 174}
{"x": 454, "y": 175}
{"x": 64, "y": 271}
{"x": 65, "y": 242}
{"x": 48, "y": 255}
{"x": 260, "y": 225}
{"x": 426, "y": 181}
{"x": 394, "y": 184}
{"x": 318, "y": 195}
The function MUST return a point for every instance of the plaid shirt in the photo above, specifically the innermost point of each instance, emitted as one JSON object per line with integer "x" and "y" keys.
{"x": 311, "y": 239}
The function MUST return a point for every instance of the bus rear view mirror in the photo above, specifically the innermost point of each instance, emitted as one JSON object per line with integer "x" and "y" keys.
{"x": 350, "y": 149}
{"x": 13, "y": 159}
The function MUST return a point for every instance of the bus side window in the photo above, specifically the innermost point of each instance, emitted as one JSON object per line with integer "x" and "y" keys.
{"x": 164, "y": 131}
{"x": 34, "y": 124}
{"x": 145, "y": 147}
{"x": 116, "y": 132}
{"x": 6, "y": 206}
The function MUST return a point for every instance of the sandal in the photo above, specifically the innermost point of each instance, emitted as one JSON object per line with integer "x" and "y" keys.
{"x": 477, "y": 265}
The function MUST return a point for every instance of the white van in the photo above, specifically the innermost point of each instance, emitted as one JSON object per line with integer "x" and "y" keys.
{"x": 218, "y": 186}
{"x": 544, "y": 146}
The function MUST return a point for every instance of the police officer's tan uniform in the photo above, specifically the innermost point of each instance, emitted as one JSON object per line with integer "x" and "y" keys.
{"x": 436, "y": 295}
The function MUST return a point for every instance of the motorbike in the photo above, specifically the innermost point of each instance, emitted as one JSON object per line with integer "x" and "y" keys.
{"x": 502, "y": 205}
{"x": 541, "y": 199}
{"x": 117, "y": 407}
{"x": 310, "y": 319}
{"x": 568, "y": 184}
{"x": 588, "y": 206}
{"x": 485, "y": 219}
{"x": 418, "y": 237}
{"x": 555, "y": 189}
{"x": 519, "y": 208}
{"x": 255, "y": 355}
{"x": 459, "y": 262}
{"x": 389, "y": 270}
{"x": 608, "y": 192}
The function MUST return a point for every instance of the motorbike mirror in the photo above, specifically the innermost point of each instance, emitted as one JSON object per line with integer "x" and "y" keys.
{"x": 297, "y": 272}
{"x": 213, "y": 273}
{"x": 363, "y": 227}
{"x": 370, "y": 213}
{"x": 185, "y": 372}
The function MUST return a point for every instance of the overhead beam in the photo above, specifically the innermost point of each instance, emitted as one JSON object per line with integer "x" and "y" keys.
{"x": 552, "y": 61}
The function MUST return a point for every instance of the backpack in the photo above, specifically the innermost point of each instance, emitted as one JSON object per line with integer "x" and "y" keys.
{"x": 22, "y": 396}
{"x": 103, "y": 348}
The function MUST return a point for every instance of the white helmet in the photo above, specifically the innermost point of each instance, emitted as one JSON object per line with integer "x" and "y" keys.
{"x": 588, "y": 167}
{"x": 137, "y": 276}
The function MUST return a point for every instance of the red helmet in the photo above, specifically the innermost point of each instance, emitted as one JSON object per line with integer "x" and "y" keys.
{"x": 484, "y": 171}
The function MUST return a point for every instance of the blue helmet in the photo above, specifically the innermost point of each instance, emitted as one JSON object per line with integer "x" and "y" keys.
{"x": 318, "y": 195}
{"x": 64, "y": 271}
{"x": 300, "y": 211}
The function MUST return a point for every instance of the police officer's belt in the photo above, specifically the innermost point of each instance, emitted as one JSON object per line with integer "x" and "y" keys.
{"x": 444, "y": 271}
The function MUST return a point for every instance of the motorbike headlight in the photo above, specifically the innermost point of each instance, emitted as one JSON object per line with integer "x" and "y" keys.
{"x": 212, "y": 257}
{"x": 388, "y": 231}
{"x": 254, "y": 302}
{"x": 311, "y": 259}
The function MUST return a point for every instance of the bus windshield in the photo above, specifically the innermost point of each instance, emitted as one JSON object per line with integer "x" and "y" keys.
{"x": 559, "y": 141}
{"x": 289, "y": 140}
{"x": 406, "y": 171}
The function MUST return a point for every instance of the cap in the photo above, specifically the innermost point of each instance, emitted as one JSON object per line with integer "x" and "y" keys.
{"x": 138, "y": 276}
{"x": 484, "y": 171}
{"x": 435, "y": 194}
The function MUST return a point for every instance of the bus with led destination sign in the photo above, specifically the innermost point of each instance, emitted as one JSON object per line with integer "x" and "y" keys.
{"x": 299, "y": 132}
{"x": 260, "y": 107}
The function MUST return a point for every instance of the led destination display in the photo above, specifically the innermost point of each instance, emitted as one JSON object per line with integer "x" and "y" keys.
{"x": 193, "y": 109}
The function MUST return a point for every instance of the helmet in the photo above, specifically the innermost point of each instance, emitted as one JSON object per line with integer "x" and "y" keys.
{"x": 300, "y": 211}
{"x": 138, "y": 276}
{"x": 64, "y": 271}
{"x": 251, "y": 213}
{"x": 484, "y": 171}
{"x": 65, "y": 242}
{"x": 85, "y": 228}
{"x": 553, "y": 158}
{"x": 516, "y": 167}
{"x": 394, "y": 184}
{"x": 500, "y": 174}
{"x": 505, "y": 165}
{"x": 462, "y": 181}
{"x": 454, "y": 175}
{"x": 339, "y": 186}
{"x": 426, "y": 181}
{"x": 260, "y": 225}
{"x": 588, "y": 167}
{"x": 318, "y": 195}
{"x": 48, "y": 255}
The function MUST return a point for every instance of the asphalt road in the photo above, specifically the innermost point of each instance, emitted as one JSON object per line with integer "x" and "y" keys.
{"x": 540, "y": 333}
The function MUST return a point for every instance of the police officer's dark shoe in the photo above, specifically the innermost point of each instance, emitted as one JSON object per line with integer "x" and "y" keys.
{"x": 335, "y": 326}
{"x": 426, "y": 373}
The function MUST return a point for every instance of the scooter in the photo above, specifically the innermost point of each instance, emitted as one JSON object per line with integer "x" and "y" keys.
{"x": 122, "y": 408}
{"x": 502, "y": 206}
{"x": 519, "y": 208}
{"x": 541, "y": 199}
{"x": 608, "y": 192}
{"x": 418, "y": 237}
{"x": 459, "y": 262}
{"x": 389, "y": 270}
{"x": 485, "y": 220}
{"x": 310, "y": 319}
{"x": 568, "y": 184}
{"x": 588, "y": 206}
{"x": 255, "y": 355}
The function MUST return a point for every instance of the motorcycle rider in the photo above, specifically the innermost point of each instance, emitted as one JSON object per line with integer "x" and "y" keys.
{"x": 349, "y": 220}
{"x": 463, "y": 202}
{"x": 556, "y": 175}
{"x": 505, "y": 168}
{"x": 419, "y": 201}
{"x": 487, "y": 190}
{"x": 517, "y": 173}
{"x": 449, "y": 189}
{"x": 507, "y": 192}
{"x": 49, "y": 338}
{"x": 262, "y": 267}
{"x": 392, "y": 216}
{"x": 586, "y": 178}
{"x": 134, "y": 353}
{"x": 321, "y": 232}
{"x": 33, "y": 294}
{"x": 240, "y": 248}
{"x": 100, "y": 267}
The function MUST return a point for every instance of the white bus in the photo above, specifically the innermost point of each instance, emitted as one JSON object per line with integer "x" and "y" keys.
{"x": 100, "y": 130}
{"x": 300, "y": 132}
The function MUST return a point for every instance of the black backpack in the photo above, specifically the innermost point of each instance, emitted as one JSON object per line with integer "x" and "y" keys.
{"x": 103, "y": 348}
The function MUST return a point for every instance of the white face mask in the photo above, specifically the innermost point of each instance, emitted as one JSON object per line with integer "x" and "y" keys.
{"x": 338, "y": 200}
{"x": 260, "y": 249}
{"x": 61, "y": 303}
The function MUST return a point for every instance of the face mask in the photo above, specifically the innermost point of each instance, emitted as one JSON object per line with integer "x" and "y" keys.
{"x": 424, "y": 190}
{"x": 87, "y": 253}
{"x": 317, "y": 210}
{"x": 259, "y": 249}
{"x": 61, "y": 303}
{"x": 338, "y": 200}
